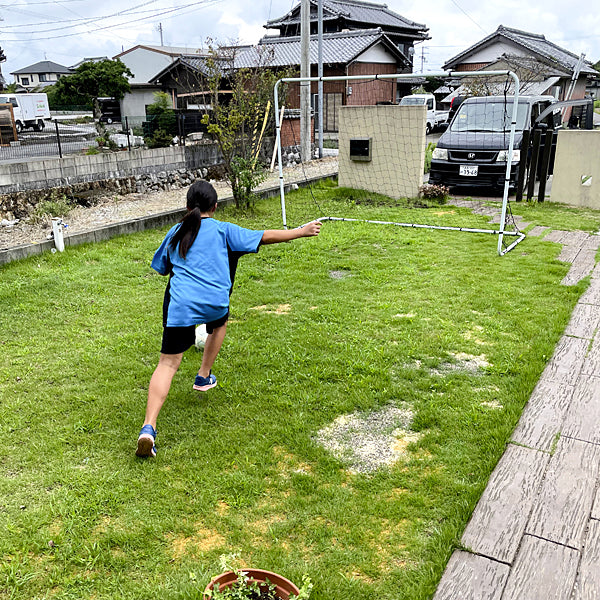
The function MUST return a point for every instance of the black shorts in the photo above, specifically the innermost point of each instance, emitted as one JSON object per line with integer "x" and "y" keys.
{"x": 176, "y": 340}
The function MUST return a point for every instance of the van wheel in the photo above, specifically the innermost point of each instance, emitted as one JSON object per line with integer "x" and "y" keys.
{"x": 428, "y": 129}
{"x": 109, "y": 121}
{"x": 39, "y": 126}
{"x": 19, "y": 126}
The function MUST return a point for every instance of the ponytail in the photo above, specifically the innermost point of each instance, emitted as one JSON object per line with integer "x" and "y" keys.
{"x": 201, "y": 197}
{"x": 186, "y": 234}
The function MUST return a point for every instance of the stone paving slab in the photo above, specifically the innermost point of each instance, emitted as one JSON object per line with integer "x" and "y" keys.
{"x": 583, "y": 265}
{"x": 541, "y": 420}
{"x": 538, "y": 231}
{"x": 569, "y": 253}
{"x": 472, "y": 577}
{"x": 542, "y": 571}
{"x": 575, "y": 238}
{"x": 583, "y": 420}
{"x": 592, "y": 294}
{"x": 567, "y": 360}
{"x": 499, "y": 520}
{"x": 561, "y": 511}
{"x": 587, "y": 585}
{"x": 592, "y": 243}
{"x": 584, "y": 321}
{"x": 591, "y": 365}
{"x": 555, "y": 236}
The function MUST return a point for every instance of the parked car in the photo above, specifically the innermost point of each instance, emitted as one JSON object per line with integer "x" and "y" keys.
{"x": 435, "y": 116}
{"x": 29, "y": 110}
{"x": 474, "y": 148}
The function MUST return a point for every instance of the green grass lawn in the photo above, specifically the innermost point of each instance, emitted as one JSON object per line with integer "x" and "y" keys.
{"x": 360, "y": 319}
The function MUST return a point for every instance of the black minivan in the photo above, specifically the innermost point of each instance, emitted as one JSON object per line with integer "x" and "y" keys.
{"x": 474, "y": 148}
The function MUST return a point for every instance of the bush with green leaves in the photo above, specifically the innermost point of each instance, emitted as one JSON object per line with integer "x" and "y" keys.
{"x": 246, "y": 588}
{"x": 161, "y": 124}
{"x": 159, "y": 139}
{"x": 428, "y": 154}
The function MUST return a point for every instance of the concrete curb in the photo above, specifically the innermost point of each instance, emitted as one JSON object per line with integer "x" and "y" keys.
{"x": 132, "y": 225}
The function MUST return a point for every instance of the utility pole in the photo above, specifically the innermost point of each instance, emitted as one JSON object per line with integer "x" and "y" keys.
{"x": 320, "y": 73}
{"x": 160, "y": 30}
{"x": 305, "y": 85}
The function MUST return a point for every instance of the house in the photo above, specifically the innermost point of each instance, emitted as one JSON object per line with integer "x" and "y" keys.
{"x": 360, "y": 38}
{"x": 39, "y": 75}
{"x": 145, "y": 62}
{"x": 2, "y": 59}
{"x": 544, "y": 67}
{"x": 354, "y": 15}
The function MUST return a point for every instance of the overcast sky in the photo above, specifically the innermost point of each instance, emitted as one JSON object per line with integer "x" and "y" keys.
{"x": 66, "y": 31}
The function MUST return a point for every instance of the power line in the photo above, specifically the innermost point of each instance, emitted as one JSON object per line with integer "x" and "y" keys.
{"x": 117, "y": 25}
{"x": 468, "y": 15}
{"x": 80, "y": 18}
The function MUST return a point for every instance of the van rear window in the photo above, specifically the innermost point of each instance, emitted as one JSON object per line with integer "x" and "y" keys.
{"x": 488, "y": 116}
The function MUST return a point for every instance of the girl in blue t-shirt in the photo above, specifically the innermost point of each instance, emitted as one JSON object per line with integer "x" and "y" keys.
{"x": 200, "y": 256}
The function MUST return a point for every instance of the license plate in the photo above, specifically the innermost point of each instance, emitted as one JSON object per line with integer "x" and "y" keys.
{"x": 468, "y": 170}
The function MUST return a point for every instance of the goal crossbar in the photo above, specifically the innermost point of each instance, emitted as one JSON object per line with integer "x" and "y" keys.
{"x": 501, "y": 232}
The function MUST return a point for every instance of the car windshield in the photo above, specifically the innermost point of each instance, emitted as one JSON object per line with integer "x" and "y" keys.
{"x": 408, "y": 101}
{"x": 488, "y": 116}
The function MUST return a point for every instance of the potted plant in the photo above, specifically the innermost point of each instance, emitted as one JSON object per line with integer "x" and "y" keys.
{"x": 254, "y": 584}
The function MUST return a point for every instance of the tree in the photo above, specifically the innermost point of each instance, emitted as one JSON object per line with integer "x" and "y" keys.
{"x": 93, "y": 80}
{"x": 241, "y": 111}
{"x": 162, "y": 123}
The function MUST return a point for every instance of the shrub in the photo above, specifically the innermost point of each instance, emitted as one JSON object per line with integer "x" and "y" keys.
{"x": 439, "y": 193}
{"x": 159, "y": 139}
{"x": 428, "y": 153}
{"x": 57, "y": 205}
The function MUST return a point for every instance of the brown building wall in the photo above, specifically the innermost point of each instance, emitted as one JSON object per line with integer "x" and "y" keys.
{"x": 290, "y": 132}
{"x": 369, "y": 93}
{"x": 470, "y": 66}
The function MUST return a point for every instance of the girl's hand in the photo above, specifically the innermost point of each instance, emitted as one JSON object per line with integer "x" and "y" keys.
{"x": 311, "y": 229}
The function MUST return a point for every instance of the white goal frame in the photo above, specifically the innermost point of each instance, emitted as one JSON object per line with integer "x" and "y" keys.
{"x": 398, "y": 76}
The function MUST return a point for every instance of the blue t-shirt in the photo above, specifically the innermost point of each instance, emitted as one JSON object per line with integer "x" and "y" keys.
{"x": 201, "y": 282}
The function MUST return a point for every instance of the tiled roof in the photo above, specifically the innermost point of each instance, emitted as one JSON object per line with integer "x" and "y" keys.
{"x": 352, "y": 10}
{"x": 535, "y": 43}
{"x": 45, "y": 66}
{"x": 338, "y": 48}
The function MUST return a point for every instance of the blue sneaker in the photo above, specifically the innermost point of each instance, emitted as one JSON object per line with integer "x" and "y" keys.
{"x": 146, "y": 442}
{"x": 202, "y": 384}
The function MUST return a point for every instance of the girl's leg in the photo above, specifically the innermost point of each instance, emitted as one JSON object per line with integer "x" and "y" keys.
{"x": 160, "y": 383}
{"x": 211, "y": 348}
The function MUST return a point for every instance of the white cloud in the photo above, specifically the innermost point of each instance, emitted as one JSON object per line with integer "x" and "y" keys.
{"x": 450, "y": 28}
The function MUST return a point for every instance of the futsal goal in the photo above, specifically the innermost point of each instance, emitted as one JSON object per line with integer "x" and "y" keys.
{"x": 381, "y": 157}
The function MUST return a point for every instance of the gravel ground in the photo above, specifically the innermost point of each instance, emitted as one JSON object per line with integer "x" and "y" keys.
{"x": 113, "y": 209}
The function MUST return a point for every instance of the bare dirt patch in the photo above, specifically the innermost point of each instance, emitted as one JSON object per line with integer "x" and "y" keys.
{"x": 370, "y": 441}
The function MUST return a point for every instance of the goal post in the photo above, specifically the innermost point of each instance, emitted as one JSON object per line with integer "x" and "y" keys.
{"x": 504, "y": 246}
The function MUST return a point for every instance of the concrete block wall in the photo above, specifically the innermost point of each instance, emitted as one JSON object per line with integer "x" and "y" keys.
{"x": 23, "y": 185}
{"x": 576, "y": 179}
{"x": 69, "y": 170}
{"x": 398, "y": 149}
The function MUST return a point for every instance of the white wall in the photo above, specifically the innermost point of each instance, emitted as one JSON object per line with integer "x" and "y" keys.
{"x": 376, "y": 54}
{"x": 145, "y": 64}
{"x": 134, "y": 103}
{"x": 494, "y": 52}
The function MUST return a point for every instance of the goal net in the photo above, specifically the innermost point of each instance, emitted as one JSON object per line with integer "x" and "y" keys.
{"x": 383, "y": 164}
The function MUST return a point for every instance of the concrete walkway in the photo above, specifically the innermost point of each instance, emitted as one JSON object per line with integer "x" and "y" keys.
{"x": 535, "y": 533}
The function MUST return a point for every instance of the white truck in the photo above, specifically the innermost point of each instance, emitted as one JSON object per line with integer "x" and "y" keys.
{"x": 435, "y": 116}
{"x": 29, "y": 110}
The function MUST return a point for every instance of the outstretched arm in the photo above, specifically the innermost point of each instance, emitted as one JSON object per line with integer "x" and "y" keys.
{"x": 274, "y": 236}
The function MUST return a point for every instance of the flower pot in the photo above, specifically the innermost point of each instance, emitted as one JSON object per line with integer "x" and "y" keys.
{"x": 284, "y": 587}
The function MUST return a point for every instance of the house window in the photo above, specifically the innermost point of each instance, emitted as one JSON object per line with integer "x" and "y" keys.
{"x": 43, "y": 77}
{"x": 25, "y": 80}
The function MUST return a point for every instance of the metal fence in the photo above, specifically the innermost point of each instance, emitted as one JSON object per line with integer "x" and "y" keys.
{"x": 60, "y": 136}
{"x": 77, "y": 134}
